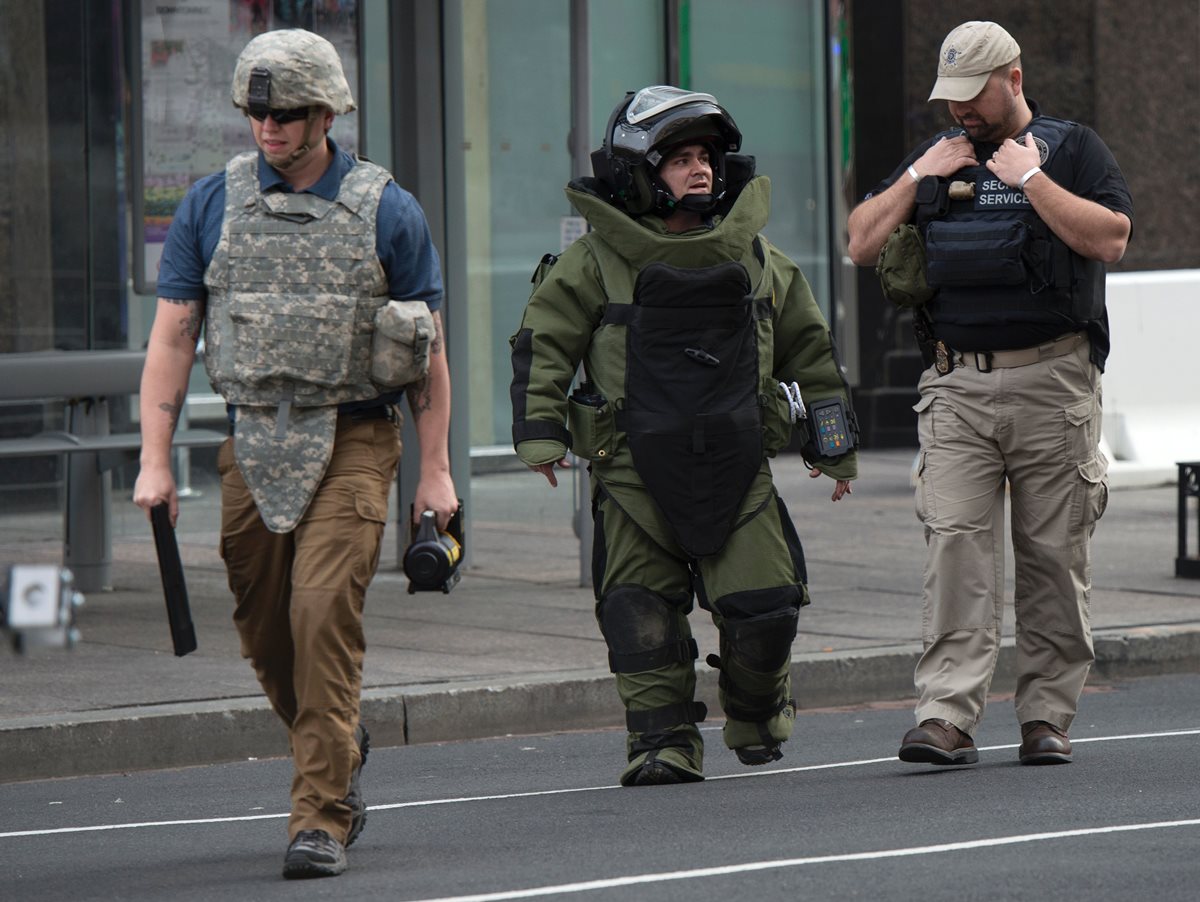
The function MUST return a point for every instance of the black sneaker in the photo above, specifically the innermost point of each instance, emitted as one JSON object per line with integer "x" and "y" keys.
{"x": 769, "y": 749}
{"x": 354, "y": 797}
{"x": 754, "y": 755}
{"x": 660, "y": 773}
{"x": 655, "y": 773}
{"x": 314, "y": 853}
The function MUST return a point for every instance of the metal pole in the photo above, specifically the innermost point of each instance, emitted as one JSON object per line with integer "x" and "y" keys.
{"x": 88, "y": 547}
{"x": 580, "y": 144}
{"x": 181, "y": 462}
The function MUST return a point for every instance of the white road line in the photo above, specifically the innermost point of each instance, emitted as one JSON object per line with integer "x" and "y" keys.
{"x": 181, "y": 823}
{"x": 459, "y": 800}
{"x": 726, "y": 870}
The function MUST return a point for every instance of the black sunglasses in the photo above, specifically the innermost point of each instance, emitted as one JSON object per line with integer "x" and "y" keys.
{"x": 281, "y": 117}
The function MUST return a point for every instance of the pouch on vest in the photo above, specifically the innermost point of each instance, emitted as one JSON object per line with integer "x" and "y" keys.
{"x": 901, "y": 268}
{"x": 592, "y": 424}
{"x": 306, "y": 340}
{"x": 692, "y": 416}
{"x": 975, "y": 253}
{"x": 400, "y": 344}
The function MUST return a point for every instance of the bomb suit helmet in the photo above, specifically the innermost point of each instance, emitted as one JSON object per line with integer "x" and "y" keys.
{"x": 643, "y": 129}
{"x": 290, "y": 68}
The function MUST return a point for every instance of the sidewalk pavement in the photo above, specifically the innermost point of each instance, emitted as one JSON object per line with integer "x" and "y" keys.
{"x": 514, "y": 648}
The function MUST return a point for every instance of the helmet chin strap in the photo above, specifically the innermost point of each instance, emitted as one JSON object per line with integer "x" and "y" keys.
{"x": 305, "y": 146}
{"x": 696, "y": 203}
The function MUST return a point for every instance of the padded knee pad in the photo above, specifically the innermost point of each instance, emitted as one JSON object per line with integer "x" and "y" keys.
{"x": 644, "y": 630}
{"x": 757, "y": 627}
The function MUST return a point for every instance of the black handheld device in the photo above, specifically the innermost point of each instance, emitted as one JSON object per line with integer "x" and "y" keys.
{"x": 170, "y": 567}
{"x": 830, "y": 429}
{"x": 433, "y": 556}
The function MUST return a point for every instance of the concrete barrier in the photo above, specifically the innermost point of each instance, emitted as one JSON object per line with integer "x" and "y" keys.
{"x": 1152, "y": 379}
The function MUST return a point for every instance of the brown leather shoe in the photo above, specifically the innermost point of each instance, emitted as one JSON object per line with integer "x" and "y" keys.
{"x": 937, "y": 741}
{"x": 1043, "y": 743}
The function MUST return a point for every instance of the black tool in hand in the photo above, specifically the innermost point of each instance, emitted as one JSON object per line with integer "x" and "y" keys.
{"x": 433, "y": 556}
{"x": 179, "y": 615}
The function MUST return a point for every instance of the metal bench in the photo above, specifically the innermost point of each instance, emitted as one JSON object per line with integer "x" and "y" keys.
{"x": 1186, "y": 564}
{"x": 84, "y": 380}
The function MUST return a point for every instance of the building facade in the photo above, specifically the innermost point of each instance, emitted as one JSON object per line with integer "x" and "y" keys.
{"x": 484, "y": 109}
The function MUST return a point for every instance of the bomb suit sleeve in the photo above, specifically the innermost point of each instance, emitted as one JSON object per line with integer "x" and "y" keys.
{"x": 806, "y": 354}
{"x": 556, "y": 329}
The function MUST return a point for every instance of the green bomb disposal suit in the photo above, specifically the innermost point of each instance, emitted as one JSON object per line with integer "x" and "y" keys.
{"x": 684, "y": 339}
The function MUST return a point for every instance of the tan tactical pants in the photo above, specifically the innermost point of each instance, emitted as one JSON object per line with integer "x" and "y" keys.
{"x": 299, "y": 609}
{"x": 1034, "y": 430}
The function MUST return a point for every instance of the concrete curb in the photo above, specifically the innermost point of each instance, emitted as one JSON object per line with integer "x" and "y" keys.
{"x": 211, "y": 732}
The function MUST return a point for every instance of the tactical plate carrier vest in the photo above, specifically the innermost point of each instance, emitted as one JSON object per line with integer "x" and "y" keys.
{"x": 294, "y": 285}
{"x": 990, "y": 257}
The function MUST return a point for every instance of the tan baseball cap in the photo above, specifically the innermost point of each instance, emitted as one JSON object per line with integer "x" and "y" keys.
{"x": 969, "y": 54}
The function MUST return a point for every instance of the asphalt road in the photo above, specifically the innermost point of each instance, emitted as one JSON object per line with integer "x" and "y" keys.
{"x": 540, "y": 817}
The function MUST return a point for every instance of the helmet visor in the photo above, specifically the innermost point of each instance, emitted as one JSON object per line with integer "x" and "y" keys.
{"x": 657, "y": 99}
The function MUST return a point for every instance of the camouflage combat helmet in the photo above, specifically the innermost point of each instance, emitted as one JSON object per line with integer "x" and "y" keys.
{"x": 291, "y": 68}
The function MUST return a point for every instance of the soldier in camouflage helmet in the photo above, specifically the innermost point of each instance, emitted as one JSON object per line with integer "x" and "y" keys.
{"x": 287, "y": 258}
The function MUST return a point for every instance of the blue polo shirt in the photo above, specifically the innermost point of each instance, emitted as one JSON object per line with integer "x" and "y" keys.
{"x": 402, "y": 238}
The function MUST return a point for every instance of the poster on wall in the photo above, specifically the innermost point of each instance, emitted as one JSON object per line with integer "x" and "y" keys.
{"x": 184, "y": 123}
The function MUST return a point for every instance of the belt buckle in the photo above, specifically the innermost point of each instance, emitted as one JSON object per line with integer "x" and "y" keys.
{"x": 943, "y": 358}
{"x": 987, "y": 358}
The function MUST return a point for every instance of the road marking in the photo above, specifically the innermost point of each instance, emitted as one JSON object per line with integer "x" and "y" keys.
{"x": 180, "y": 823}
{"x": 727, "y": 870}
{"x": 459, "y": 800}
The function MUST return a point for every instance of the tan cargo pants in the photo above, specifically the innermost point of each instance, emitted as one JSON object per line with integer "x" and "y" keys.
{"x": 1035, "y": 430}
{"x": 299, "y": 609}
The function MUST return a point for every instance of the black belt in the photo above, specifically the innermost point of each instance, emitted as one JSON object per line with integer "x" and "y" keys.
{"x": 378, "y": 412}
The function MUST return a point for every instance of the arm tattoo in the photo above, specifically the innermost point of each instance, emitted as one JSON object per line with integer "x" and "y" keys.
{"x": 173, "y": 410}
{"x": 420, "y": 394}
{"x": 189, "y": 324}
{"x": 435, "y": 347}
{"x": 420, "y": 397}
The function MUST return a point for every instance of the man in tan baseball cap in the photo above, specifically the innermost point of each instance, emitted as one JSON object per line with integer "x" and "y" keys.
{"x": 1007, "y": 349}
{"x": 970, "y": 53}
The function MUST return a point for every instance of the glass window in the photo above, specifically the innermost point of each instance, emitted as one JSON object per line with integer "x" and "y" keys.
{"x": 772, "y": 81}
{"x": 508, "y": 116}
{"x": 627, "y": 43}
{"x": 61, "y": 279}
{"x": 509, "y": 119}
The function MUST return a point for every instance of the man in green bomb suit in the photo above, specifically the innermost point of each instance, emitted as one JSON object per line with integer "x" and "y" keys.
{"x": 700, "y": 345}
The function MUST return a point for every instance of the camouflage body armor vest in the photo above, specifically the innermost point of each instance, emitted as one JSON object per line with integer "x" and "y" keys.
{"x": 991, "y": 258}
{"x": 294, "y": 285}
{"x": 685, "y": 356}
{"x": 293, "y": 288}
